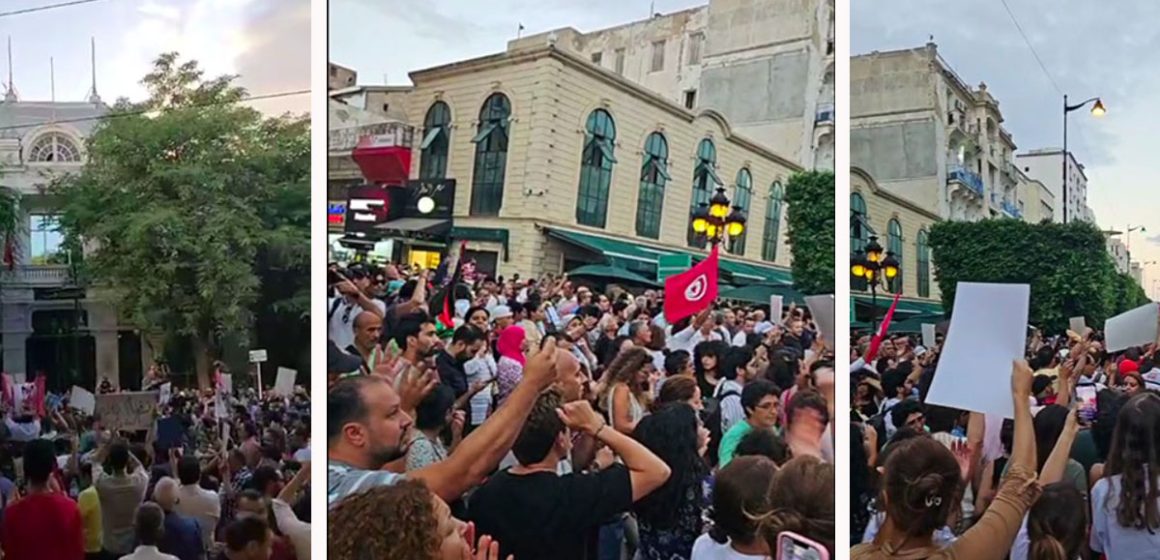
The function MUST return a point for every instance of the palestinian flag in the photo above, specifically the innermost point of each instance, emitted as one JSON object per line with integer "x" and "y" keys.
{"x": 442, "y": 303}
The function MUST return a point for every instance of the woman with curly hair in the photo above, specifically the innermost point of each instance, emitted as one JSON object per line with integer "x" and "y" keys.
{"x": 627, "y": 388}
{"x": 1125, "y": 506}
{"x": 670, "y": 517}
{"x": 404, "y": 520}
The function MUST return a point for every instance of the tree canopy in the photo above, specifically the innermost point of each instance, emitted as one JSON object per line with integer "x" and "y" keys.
{"x": 809, "y": 198}
{"x": 194, "y": 209}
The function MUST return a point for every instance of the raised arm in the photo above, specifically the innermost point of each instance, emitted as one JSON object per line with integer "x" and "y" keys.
{"x": 646, "y": 471}
{"x": 481, "y": 451}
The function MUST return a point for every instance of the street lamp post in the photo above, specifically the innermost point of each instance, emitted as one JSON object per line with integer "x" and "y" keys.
{"x": 873, "y": 266}
{"x": 1132, "y": 228}
{"x": 715, "y": 221}
{"x": 1098, "y": 110}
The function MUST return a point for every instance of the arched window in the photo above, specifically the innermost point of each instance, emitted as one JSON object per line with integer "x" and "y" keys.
{"x": 859, "y": 233}
{"x": 654, "y": 175}
{"x": 742, "y": 194}
{"x": 54, "y": 147}
{"x": 491, "y": 145}
{"x": 704, "y": 181}
{"x": 894, "y": 245}
{"x": 923, "y": 264}
{"x": 436, "y": 141}
{"x": 772, "y": 222}
{"x": 596, "y": 161}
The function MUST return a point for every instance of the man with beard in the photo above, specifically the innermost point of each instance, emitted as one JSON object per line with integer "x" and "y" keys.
{"x": 368, "y": 420}
{"x": 415, "y": 336}
{"x": 466, "y": 342}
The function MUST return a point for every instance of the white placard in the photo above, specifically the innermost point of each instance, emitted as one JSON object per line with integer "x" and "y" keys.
{"x": 985, "y": 338}
{"x": 257, "y": 356}
{"x": 1131, "y": 328}
{"x": 19, "y": 378}
{"x": 1077, "y": 325}
{"x": 928, "y": 336}
{"x": 165, "y": 394}
{"x": 220, "y": 410}
{"x": 82, "y": 400}
{"x": 775, "y": 309}
{"x": 284, "y": 383}
{"x": 227, "y": 384}
{"x": 822, "y": 309}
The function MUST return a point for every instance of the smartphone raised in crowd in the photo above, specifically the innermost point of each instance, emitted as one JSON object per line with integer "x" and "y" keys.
{"x": 792, "y": 546}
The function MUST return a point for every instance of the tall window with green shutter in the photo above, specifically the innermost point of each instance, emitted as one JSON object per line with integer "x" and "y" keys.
{"x": 654, "y": 175}
{"x": 491, "y": 146}
{"x": 923, "y": 267}
{"x": 894, "y": 244}
{"x": 742, "y": 193}
{"x": 859, "y": 233}
{"x": 772, "y": 231}
{"x": 705, "y": 180}
{"x": 436, "y": 141}
{"x": 596, "y": 161}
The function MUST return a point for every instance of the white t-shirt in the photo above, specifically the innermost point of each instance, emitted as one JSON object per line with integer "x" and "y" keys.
{"x": 1110, "y": 538}
{"x": 705, "y": 548}
{"x": 203, "y": 505}
{"x": 340, "y": 327}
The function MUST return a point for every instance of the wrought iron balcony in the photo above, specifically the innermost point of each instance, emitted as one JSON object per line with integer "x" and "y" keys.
{"x": 965, "y": 177}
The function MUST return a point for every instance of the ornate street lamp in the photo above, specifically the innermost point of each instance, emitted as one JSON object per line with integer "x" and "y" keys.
{"x": 715, "y": 221}
{"x": 872, "y": 266}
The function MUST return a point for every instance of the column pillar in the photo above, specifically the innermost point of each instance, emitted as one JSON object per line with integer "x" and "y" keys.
{"x": 16, "y": 322}
{"x": 103, "y": 327}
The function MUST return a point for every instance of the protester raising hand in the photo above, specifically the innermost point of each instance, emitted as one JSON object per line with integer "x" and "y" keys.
{"x": 414, "y": 386}
{"x": 487, "y": 549}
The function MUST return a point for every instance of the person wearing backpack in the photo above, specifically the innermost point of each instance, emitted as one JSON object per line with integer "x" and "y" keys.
{"x": 759, "y": 400}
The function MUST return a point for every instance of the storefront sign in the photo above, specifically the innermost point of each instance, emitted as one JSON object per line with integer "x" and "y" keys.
{"x": 335, "y": 214}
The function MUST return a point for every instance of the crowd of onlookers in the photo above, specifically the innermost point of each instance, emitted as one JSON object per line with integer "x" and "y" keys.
{"x": 1072, "y": 476}
{"x": 546, "y": 418}
{"x": 195, "y": 485}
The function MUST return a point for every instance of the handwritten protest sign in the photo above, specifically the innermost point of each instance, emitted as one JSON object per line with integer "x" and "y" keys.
{"x": 127, "y": 411}
{"x": 284, "y": 384}
{"x": 82, "y": 400}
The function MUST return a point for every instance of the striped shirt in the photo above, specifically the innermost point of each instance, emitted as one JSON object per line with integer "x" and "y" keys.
{"x": 342, "y": 480}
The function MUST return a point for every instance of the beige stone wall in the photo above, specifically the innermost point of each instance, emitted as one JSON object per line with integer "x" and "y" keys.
{"x": 893, "y": 82}
{"x": 552, "y": 95}
{"x": 883, "y": 207}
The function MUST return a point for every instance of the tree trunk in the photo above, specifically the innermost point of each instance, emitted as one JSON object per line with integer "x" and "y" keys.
{"x": 203, "y": 361}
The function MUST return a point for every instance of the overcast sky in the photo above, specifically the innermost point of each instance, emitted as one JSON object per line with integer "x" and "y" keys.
{"x": 390, "y": 38}
{"x": 1090, "y": 51}
{"x": 266, "y": 41}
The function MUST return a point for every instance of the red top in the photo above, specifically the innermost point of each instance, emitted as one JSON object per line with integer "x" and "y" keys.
{"x": 41, "y": 526}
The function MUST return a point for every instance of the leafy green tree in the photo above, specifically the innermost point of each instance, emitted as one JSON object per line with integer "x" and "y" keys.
{"x": 195, "y": 211}
{"x": 1067, "y": 266}
{"x": 809, "y": 197}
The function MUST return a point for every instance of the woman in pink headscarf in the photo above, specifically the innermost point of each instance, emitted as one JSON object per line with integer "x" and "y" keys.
{"x": 510, "y": 367}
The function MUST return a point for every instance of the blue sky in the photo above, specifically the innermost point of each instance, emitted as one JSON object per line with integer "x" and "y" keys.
{"x": 1090, "y": 50}
{"x": 266, "y": 41}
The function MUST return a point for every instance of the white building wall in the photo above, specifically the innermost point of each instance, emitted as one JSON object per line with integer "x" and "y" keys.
{"x": 1046, "y": 166}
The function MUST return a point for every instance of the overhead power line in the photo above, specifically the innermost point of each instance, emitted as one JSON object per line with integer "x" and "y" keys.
{"x": 1031, "y": 47}
{"x": 146, "y": 111}
{"x": 47, "y": 7}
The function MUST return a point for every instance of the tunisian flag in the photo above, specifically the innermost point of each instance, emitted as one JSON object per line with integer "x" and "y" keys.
{"x": 882, "y": 329}
{"x": 692, "y": 290}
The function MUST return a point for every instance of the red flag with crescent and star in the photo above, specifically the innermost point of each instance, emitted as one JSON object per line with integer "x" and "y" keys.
{"x": 691, "y": 291}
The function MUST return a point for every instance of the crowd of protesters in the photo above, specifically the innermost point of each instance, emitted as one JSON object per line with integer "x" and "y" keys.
{"x": 544, "y": 418}
{"x": 217, "y": 475}
{"x": 1072, "y": 476}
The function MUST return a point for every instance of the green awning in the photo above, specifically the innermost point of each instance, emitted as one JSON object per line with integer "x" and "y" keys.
{"x": 612, "y": 273}
{"x": 905, "y": 305}
{"x": 750, "y": 273}
{"x": 760, "y": 293}
{"x": 913, "y": 325}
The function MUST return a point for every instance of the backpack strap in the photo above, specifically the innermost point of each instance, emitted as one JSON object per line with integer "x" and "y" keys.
{"x": 334, "y": 308}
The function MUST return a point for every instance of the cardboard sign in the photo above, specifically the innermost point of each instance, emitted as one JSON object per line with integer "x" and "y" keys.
{"x": 822, "y": 309}
{"x": 127, "y": 411}
{"x": 1132, "y": 328}
{"x": 257, "y": 356}
{"x": 284, "y": 384}
{"x": 986, "y": 337}
{"x": 1078, "y": 325}
{"x": 929, "y": 339}
{"x": 82, "y": 400}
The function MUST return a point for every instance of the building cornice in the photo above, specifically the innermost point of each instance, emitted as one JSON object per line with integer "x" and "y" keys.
{"x": 879, "y": 191}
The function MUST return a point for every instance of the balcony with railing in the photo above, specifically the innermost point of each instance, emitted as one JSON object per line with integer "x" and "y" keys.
{"x": 957, "y": 174}
{"x": 1011, "y": 210}
{"x": 36, "y": 276}
{"x": 825, "y": 114}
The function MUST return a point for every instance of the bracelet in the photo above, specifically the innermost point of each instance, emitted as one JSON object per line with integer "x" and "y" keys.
{"x": 596, "y": 434}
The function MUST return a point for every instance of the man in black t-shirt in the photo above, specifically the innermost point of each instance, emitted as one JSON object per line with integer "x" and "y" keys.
{"x": 535, "y": 513}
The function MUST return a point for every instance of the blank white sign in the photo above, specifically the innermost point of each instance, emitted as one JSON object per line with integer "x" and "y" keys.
{"x": 1077, "y": 325}
{"x": 822, "y": 309}
{"x": 1131, "y": 328}
{"x": 928, "y": 335}
{"x": 986, "y": 336}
